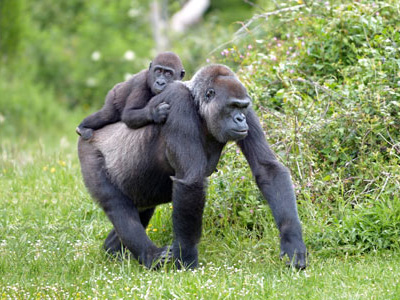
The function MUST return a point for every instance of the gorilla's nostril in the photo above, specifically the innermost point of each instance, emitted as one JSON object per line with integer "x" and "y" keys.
{"x": 240, "y": 118}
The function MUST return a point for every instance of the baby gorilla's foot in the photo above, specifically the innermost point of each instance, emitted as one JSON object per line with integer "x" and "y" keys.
{"x": 85, "y": 133}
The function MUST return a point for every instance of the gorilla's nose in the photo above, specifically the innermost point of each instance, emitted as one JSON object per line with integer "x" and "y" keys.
{"x": 161, "y": 83}
{"x": 240, "y": 118}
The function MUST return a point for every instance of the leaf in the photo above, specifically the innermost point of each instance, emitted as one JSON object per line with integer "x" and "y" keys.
{"x": 327, "y": 178}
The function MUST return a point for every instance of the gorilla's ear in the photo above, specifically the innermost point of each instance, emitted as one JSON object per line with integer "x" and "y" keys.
{"x": 183, "y": 74}
{"x": 150, "y": 65}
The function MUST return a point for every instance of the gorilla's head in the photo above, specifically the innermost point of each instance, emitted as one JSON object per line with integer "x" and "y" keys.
{"x": 222, "y": 101}
{"x": 164, "y": 69}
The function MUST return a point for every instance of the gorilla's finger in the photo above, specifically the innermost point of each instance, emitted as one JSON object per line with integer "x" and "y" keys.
{"x": 163, "y": 105}
{"x": 163, "y": 111}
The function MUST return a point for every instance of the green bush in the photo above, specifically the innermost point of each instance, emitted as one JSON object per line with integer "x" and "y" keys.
{"x": 325, "y": 81}
{"x": 29, "y": 114}
{"x": 11, "y": 29}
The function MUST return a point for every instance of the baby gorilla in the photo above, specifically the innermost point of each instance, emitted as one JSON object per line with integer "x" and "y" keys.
{"x": 127, "y": 101}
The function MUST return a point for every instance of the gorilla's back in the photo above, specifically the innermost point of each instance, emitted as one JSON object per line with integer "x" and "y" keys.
{"x": 133, "y": 162}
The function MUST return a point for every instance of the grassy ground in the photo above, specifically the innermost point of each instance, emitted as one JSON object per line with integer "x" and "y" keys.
{"x": 51, "y": 235}
{"x": 325, "y": 82}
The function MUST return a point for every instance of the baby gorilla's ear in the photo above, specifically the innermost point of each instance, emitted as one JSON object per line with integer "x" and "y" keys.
{"x": 183, "y": 74}
{"x": 150, "y": 65}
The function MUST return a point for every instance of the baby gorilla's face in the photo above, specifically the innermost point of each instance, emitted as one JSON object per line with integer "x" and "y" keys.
{"x": 166, "y": 68}
{"x": 161, "y": 77}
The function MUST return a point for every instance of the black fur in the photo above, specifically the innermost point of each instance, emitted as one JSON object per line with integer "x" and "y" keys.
{"x": 129, "y": 172}
{"x": 127, "y": 101}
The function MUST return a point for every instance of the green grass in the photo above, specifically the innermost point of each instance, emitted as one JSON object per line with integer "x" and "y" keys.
{"x": 51, "y": 235}
{"x": 324, "y": 80}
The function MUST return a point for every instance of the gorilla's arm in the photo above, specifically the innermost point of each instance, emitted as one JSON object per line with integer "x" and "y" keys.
{"x": 275, "y": 183}
{"x": 187, "y": 156}
{"x": 138, "y": 114}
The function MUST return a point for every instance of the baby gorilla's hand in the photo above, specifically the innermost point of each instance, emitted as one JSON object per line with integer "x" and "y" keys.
{"x": 161, "y": 112}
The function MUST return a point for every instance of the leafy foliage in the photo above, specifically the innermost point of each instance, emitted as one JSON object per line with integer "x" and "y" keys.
{"x": 11, "y": 28}
{"x": 81, "y": 58}
{"x": 325, "y": 80}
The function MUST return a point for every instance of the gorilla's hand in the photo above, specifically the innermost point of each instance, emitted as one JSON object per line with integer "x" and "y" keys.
{"x": 160, "y": 112}
{"x": 293, "y": 246}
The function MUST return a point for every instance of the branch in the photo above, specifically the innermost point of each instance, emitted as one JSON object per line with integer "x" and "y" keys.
{"x": 245, "y": 26}
{"x": 189, "y": 15}
{"x": 332, "y": 94}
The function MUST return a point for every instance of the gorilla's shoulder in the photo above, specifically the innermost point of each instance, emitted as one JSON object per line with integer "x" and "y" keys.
{"x": 178, "y": 87}
{"x": 177, "y": 91}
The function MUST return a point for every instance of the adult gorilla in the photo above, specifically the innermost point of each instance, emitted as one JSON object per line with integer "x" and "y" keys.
{"x": 130, "y": 172}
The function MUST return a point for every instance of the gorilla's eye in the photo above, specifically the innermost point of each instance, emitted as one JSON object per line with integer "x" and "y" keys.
{"x": 210, "y": 94}
{"x": 168, "y": 74}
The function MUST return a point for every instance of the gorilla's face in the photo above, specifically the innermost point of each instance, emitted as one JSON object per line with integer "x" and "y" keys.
{"x": 161, "y": 77}
{"x": 224, "y": 107}
{"x": 166, "y": 68}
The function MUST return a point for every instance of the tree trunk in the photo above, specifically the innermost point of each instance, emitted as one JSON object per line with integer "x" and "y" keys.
{"x": 159, "y": 23}
{"x": 189, "y": 15}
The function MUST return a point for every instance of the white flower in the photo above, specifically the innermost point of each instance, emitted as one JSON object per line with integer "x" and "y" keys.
{"x": 91, "y": 82}
{"x": 133, "y": 13}
{"x": 96, "y": 56}
{"x": 129, "y": 55}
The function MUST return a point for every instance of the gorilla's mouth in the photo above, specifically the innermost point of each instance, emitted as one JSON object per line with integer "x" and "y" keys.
{"x": 158, "y": 90}
{"x": 239, "y": 133}
{"x": 242, "y": 131}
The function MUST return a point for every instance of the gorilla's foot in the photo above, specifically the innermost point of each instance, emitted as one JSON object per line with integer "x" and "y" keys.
{"x": 163, "y": 257}
{"x": 85, "y": 133}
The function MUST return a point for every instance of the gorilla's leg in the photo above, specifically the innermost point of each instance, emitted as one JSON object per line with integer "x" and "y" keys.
{"x": 146, "y": 215}
{"x": 106, "y": 115}
{"x": 126, "y": 220}
{"x": 119, "y": 208}
{"x": 113, "y": 244}
{"x": 166, "y": 252}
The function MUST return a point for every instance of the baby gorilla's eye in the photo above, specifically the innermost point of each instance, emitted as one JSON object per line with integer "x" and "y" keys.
{"x": 157, "y": 71}
{"x": 168, "y": 74}
{"x": 210, "y": 94}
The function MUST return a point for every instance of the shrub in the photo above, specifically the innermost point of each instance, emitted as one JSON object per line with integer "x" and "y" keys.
{"x": 325, "y": 82}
